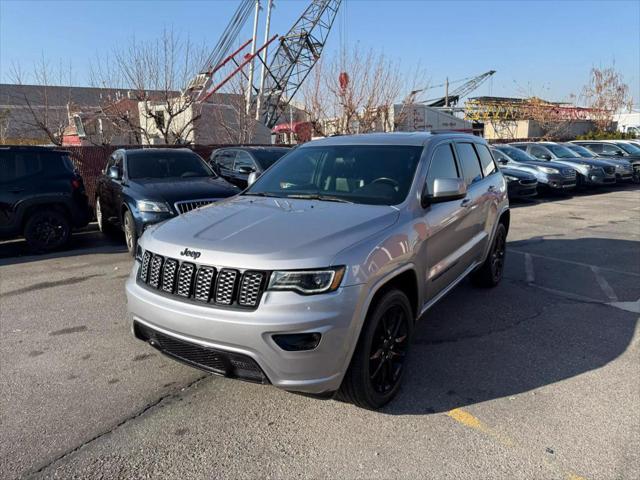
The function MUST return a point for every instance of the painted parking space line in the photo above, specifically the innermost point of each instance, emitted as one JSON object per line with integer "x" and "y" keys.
{"x": 466, "y": 419}
{"x": 528, "y": 268}
{"x": 604, "y": 285}
{"x": 572, "y": 262}
{"x": 633, "y": 307}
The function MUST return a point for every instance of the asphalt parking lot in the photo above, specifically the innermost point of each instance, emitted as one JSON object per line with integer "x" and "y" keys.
{"x": 536, "y": 379}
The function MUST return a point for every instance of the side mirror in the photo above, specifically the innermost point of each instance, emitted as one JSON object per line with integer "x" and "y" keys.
{"x": 444, "y": 190}
{"x": 246, "y": 169}
{"x": 114, "y": 173}
{"x": 253, "y": 176}
{"x": 545, "y": 156}
{"x": 503, "y": 161}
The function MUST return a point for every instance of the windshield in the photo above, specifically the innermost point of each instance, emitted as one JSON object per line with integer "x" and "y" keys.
{"x": 165, "y": 164}
{"x": 516, "y": 154}
{"x": 267, "y": 157}
{"x": 561, "y": 152}
{"x": 582, "y": 151}
{"x": 368, "y": 174}
{"x": 629, "y": 148}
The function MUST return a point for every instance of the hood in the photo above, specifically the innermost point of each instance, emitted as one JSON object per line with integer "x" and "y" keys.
{"x": 520, "y": 174}
{"x": 176, "y": 189}
{"x": 269, "y": 233}
{"x": 582, "y": 161}
{"x": 542, "y": 163}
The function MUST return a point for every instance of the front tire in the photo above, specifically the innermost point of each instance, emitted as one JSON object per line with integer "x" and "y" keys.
{"x": 490, "y": 272}
{"x": 375, "y": 373}
{"x": 103, "y": 224}
{"x": 130, "y": 234}
{"x": 47, "y": 230}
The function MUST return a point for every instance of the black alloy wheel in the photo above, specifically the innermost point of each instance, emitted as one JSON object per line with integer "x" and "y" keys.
{"x": 388, "y": 350}
{"x": 378, "y": 363}
{"x": 47, "y": 230}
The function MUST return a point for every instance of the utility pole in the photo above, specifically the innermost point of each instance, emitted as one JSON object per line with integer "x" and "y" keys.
{"x": 446, "y": 92}
{"x": 264, "y": 57}
{"x": 253, "y": 52}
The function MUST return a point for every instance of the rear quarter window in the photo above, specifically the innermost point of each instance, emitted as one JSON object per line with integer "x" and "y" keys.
{"x": 469, "y": 162}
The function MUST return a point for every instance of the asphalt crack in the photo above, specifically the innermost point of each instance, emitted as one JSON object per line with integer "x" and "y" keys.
{"x": 138, "y": 414}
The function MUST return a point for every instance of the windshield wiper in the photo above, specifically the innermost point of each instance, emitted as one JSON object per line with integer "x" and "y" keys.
{"x": 262, "y": 194}
{"x": 323, "y": 198}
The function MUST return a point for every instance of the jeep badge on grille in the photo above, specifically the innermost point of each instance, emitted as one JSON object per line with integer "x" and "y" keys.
{"x": 190, "y": 253}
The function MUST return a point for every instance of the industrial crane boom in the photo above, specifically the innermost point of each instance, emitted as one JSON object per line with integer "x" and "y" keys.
{"x": 297, "y": 53}
{"x": 455, "y": 95}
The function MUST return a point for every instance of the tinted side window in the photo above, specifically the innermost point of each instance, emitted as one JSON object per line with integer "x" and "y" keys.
{"x": 469, "y": 163}
{"x": 488, "y": 166}
{"x": 7, "y": 166}
{"x": 27, "y": 164}
{"x": 611, "y": 149}
{"x": 225, "y": 159}
{"x": 596, "y": 147}
{"x": 538, "y": 152}
{"x": 443, "y": 165}
{"x": 243, "y": 159}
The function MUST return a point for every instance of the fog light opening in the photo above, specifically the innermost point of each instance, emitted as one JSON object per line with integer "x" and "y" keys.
{"x": 297, "y": 342}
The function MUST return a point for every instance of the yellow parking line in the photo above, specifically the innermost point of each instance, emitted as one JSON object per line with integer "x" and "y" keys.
{"x": 465, "y": 418}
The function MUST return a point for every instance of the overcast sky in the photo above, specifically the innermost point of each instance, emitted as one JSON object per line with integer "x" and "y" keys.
{"x": 543, "y": 48}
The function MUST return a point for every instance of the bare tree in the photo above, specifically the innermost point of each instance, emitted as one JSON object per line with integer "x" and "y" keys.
{"x": 232, "y": 121}
{"x": 5, "y": 120}
{"x": 154, "y": 74}
{"x": 606, "y": 94}
{"x": 355, "y": 92}
{"x": 41, "y": 101}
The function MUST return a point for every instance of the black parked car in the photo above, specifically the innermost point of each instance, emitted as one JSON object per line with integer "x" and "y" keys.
{"x": 42, "y": 197}
{"x": 520, "y": 184}
{"x": 615, "y": 149}
{"x": 624, "y": 168}
{"x": 145, "y": 186}
{"x": 235, "y": 164}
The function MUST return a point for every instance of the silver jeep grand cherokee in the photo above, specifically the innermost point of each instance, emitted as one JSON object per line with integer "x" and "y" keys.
{"x": 312, "y": 278}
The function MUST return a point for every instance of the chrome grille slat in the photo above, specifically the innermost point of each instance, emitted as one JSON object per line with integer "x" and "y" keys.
{"x": 250, "y": 288}
{"x": 155, "y": 270}
{"x": 169, "y": 275}
{"x": 207, "y": 284}
{"x": 185, "y": 279}
{"x": 225, "y": 286}
{"x": 204, "y": 279}
{"x": 188, "y": 205}
{"x": 144, "y": 268}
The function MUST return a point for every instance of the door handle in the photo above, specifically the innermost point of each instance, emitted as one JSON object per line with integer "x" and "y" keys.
{"x": 466, "y": 202}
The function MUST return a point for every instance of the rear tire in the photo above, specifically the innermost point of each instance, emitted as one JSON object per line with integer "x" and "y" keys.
{"x": 47, "y": 230}
{"x": 375, "y": 373}
{"x": 130, "y": 234}
{"x": 103, "y": 224}
{"x": 490, "y": 272}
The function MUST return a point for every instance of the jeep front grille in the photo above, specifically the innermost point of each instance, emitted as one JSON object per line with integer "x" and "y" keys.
{"x": 202, "y": 283}
{"x": 187, "y": 206}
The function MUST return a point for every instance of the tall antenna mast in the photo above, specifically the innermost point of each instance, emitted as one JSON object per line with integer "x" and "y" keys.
{"x": 264, "y": 58}
{"x": 253, "y": 52}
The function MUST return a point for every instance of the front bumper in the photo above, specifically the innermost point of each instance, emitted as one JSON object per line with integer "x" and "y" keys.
{"x": 598, "y": 179}
{"x": 518, "y": 189}
{"x": 249, "y": 333}
{"x": 557, "y": 181}
{"x": 145, "y": 219}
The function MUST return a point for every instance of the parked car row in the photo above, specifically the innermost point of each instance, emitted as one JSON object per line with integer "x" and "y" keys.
{"x": 565, "y": 166}
{"x": 43, "y": 198}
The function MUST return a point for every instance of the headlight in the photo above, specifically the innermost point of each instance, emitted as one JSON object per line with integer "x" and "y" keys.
{"x": 549, "y": 170}
{"x": 150, "y": 206}
{"x": 307, "y": 282}
{"x": 510, "y": 178}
